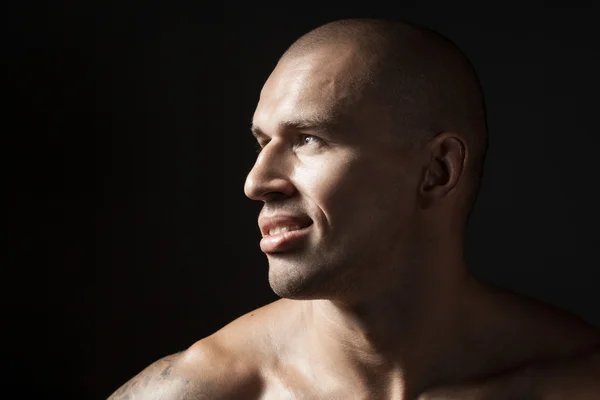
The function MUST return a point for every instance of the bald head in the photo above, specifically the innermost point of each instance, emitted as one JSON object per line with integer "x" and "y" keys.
{"x": 370, "y": 134}
{"x": 425, "y": 83}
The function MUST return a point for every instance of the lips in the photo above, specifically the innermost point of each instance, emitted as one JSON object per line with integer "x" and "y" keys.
{"x": 271, "y": 226}
{"x": 283, "y": 232}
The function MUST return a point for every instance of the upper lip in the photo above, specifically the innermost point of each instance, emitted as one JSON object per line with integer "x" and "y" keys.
{"x": 267, "y": 223}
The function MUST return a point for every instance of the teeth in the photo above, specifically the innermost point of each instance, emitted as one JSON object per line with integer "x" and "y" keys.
{"x": 283, "y": 229}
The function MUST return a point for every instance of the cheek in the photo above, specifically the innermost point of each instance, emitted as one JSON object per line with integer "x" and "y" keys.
{"x": 323, "y": 179}
{"x": 346, "y": 185}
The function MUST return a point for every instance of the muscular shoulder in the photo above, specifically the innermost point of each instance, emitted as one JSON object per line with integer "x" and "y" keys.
{"x": 204, "y": 371}
{"x": 226, "y": 365}
{"x": 223, "y": 371}
{"x": 161, "y": 379}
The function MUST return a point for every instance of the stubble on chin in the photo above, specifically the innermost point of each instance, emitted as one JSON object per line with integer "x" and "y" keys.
{"x": 306, "y": 282}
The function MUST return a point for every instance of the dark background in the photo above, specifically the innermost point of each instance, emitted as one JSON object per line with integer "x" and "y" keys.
{"x": 127, "y": 233}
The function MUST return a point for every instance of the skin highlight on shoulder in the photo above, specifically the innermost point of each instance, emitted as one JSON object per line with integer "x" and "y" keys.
{"x": 205, "y": 371}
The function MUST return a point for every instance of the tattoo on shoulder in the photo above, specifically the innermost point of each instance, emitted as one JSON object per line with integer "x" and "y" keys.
{"x": 154, "y": 378}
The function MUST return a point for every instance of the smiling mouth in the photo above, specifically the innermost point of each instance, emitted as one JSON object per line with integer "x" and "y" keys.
{"x": 284, "y": 237}
{"x": 284, "y": 225}
{"x": 282, "y": 229}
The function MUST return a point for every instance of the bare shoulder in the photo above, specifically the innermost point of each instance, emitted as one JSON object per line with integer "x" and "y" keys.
{"x": 161, "y": 379}
{"x": 224, "y": 365}
{"x": 223, "y": 371}
{"x": 204, "y": 371}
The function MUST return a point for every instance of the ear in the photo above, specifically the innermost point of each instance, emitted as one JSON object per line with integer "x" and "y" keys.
{"x": 447, "y": 157}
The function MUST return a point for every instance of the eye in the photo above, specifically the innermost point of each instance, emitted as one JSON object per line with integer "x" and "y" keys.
{"x": 258, "y": 147}
{"x": 309, "y": 139}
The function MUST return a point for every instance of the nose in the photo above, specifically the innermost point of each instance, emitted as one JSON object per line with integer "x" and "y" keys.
{"x": 269, "y": 177}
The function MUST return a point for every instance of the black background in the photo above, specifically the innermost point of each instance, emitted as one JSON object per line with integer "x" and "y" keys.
{"x": 127, "y": 233}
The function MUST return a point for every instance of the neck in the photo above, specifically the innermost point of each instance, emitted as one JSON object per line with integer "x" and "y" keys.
{"x": 399, "y": 340}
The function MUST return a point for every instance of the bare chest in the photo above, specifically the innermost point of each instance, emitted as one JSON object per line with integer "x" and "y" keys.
{"x": 291, "y": 385}
{"x": 292, "y": 392}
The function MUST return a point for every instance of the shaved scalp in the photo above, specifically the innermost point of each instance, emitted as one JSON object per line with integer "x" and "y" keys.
{"x": 425, "y": 82}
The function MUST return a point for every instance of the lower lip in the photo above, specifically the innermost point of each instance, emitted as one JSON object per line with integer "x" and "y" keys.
{"x": 282, "y": 241}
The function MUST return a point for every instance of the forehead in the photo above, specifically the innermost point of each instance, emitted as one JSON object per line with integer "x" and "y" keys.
{"x": 327, "y": 84}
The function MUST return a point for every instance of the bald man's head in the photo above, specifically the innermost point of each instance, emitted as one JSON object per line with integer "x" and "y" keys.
{"x": 425, "y": 83}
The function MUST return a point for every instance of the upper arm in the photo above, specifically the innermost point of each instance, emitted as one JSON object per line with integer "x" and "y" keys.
{"x": 162, "y": 379}
{"x": 203, "y": 372}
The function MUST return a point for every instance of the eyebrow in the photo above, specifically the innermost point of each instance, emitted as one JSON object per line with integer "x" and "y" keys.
{"x": 304, "y": 124}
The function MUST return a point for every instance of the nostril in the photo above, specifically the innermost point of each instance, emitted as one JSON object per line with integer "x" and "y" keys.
{"x": 268, "y": 189}
{"x": 273, "y": 197}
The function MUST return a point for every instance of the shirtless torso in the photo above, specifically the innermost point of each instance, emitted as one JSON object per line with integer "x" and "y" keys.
{"x": 264, "y": 355}
{"x": 372, "y": 136}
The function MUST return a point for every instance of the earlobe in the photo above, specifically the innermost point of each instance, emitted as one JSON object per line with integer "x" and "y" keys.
{"x": 445, "y": 167}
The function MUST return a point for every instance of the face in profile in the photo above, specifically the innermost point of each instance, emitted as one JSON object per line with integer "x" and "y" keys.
{"x": 339, "y": 192}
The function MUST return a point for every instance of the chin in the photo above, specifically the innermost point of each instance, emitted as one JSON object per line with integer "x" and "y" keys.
{"x": 297, "y": 292}
{"x": 296, "y": 281}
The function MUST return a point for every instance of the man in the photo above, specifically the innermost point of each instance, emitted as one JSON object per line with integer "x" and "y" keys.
{"x": 373, "y": 137}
